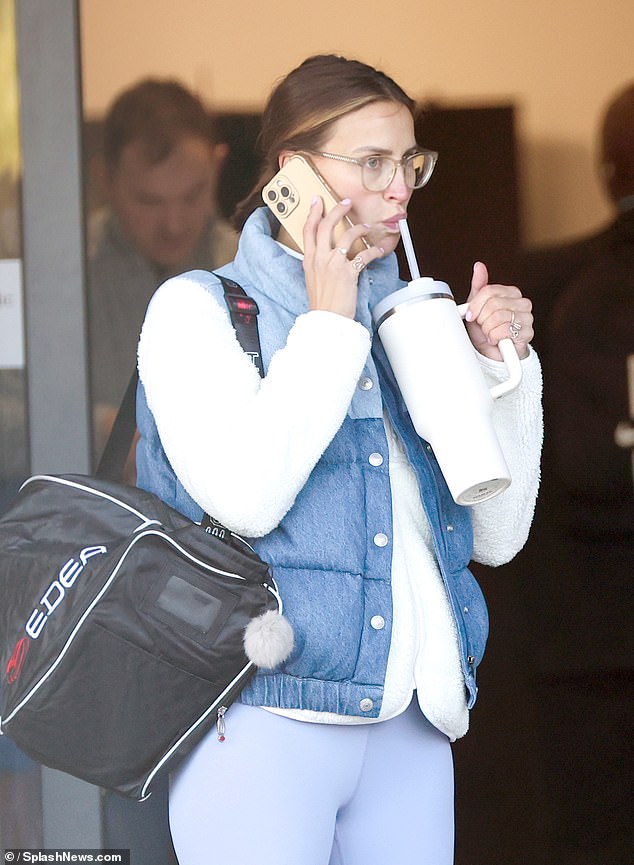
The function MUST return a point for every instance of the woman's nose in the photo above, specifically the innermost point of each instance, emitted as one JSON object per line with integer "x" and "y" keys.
{"x": 398, "y": 189}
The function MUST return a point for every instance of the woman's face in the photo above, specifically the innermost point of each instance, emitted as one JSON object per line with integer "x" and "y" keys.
{"x": 381, "y": 128}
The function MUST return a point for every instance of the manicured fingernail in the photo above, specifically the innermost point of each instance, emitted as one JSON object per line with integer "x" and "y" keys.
{"x": 346, "y": 201}
{"x": 314, "y": 201}
{"x": 469, "y": 315}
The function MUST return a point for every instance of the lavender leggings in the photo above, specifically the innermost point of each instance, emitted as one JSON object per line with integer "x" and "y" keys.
{"x": 285, "y": 792}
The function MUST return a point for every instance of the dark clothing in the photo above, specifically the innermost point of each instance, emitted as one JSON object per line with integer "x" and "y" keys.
{"x": 562, "y": 610}
{"x": 121, "y": 283}
{"x": 574, "y": 578}
{"x": 578, "y": 566}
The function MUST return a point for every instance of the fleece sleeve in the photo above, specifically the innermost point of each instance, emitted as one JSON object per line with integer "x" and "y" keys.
{"x": 243, "y": 447}
{"x": 501, "y": 524}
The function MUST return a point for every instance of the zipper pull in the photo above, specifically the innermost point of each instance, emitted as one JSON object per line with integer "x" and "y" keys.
{"x": 221, "y": 723}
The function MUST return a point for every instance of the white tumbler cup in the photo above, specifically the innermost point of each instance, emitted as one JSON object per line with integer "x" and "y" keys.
{"x": 435, "y": 365}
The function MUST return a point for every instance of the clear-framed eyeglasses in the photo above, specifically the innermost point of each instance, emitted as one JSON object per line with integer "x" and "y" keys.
{"x": 377, "y": 172}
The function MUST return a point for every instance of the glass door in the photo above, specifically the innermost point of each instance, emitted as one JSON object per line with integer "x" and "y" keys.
{"x": 20, "y": 777}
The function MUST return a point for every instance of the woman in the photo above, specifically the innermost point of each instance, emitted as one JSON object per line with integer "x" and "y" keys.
{"x": 316, "y": 463}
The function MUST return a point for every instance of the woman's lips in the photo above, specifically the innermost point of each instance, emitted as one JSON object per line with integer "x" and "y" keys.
{"x": 392, "y": 224}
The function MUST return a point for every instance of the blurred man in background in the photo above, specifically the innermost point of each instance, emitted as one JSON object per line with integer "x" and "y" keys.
{"x": 160, "y": 171}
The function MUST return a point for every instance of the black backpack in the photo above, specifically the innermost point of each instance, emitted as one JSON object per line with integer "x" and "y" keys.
{"x": 122, "y": 622}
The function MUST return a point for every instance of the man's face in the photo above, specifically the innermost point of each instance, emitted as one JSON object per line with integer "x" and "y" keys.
{"x": 164, "y": 208}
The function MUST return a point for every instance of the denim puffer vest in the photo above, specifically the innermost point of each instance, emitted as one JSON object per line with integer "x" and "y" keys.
{"x": 331, "y": 553}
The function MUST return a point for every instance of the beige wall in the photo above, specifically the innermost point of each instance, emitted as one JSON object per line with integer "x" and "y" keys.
{"x": 558, "y": 60}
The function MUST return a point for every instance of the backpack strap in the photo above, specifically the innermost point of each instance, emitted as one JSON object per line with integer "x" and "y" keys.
{"x": 117, "y": 448}
{"x": 243, "y": 311}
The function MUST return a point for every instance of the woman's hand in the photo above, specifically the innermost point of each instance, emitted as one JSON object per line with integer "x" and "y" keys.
{"x": 331, "y": 278}
{"x": 496, "y": 312}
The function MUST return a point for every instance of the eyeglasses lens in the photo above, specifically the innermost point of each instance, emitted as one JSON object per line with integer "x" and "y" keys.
{"x": 417, "y": 170}
{"x": 378, "y": 171}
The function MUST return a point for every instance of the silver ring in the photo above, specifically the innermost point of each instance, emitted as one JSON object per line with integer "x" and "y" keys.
{"x": 514, "y": 327}
{"x": 342, "y": 250}
{"x": 358, "y": 263}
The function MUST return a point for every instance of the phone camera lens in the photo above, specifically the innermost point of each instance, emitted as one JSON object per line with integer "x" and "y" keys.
{"x": 281, "y": 207}
{"x": 285, "y": 191}
{"x": 271, "y": 195}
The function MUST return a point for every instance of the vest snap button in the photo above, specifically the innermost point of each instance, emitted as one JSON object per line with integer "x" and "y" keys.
{"x": 380, "y": 539}
{"x": 366, "y": 704}
{"x": 366, "y": 383}
{"x": 377, "y": 622}
{"x": 375, "y": 459}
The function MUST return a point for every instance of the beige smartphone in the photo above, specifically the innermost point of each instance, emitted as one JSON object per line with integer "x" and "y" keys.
{"x": 290, "y": 193}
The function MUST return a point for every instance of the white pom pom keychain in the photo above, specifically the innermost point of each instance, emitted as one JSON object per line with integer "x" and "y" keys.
{"x": 268, "y": 640}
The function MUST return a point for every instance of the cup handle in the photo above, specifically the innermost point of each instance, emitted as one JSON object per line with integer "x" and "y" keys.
{"x": 511, "y": 360}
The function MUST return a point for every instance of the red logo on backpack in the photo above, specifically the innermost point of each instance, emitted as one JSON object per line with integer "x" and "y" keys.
{"x": 14, "y": 667}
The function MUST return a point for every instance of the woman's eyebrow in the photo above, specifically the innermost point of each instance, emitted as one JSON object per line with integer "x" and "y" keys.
{"x": 384, "y": 151}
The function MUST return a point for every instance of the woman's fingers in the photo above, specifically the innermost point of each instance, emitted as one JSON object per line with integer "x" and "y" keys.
{"x": 497, "y": 312}
{"x": 331, "y": 267}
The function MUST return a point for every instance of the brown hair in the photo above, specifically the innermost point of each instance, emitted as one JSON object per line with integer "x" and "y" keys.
{"x": 158, "y": 113}
{"x": 306, "y": 103}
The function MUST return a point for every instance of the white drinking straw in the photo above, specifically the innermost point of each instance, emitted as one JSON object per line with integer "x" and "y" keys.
{"x": 409, "y": 249}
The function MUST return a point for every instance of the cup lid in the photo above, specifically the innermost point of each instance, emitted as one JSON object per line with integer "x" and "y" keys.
{"x": 424, "y": 288}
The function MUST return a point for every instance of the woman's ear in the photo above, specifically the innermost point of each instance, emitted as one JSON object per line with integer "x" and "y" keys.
{"x": 284, "y": 156}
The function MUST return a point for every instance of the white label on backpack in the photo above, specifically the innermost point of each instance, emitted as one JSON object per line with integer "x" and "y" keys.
{"x": 55, "y": 593}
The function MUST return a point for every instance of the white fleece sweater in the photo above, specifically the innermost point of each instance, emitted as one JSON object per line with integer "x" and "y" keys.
{"x": 329, "y": 351}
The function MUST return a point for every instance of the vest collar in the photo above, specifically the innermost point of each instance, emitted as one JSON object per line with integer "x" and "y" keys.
{"x": 280, "y": 275}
